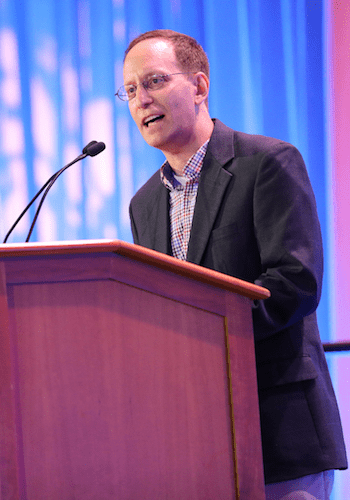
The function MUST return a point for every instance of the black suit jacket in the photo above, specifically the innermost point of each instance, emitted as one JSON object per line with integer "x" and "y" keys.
{"x": 255, "y": 218}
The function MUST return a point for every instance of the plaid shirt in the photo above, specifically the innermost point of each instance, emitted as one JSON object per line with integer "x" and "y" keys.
{"x": 183, "y": 193}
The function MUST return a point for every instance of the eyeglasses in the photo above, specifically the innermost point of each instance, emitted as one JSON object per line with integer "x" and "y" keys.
{"x": 154, "y": 82}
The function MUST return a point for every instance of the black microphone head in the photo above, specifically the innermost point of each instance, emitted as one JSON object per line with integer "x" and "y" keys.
{"x": 85, "y": 150}
{"x": 95, "y": 148}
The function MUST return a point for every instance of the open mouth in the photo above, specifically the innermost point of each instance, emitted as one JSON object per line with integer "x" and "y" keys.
{"x": 153, "y": 119}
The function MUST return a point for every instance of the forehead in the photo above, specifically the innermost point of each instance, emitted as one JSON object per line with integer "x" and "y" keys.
{"x": 148, "y": 57}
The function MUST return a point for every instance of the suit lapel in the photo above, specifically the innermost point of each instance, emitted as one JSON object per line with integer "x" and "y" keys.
{"x": 211, "y": 189}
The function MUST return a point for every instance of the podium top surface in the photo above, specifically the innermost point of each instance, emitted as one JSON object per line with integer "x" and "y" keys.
{"x": 137, "y": 253}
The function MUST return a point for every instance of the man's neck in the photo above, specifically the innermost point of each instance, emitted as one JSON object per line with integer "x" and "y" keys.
{"x": 178, "y": 159}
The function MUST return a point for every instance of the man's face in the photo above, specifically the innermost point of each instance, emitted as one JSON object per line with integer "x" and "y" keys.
{"x": 173, "y": 106}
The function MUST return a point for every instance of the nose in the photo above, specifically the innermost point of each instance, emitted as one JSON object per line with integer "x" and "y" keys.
{"x": 142, "y": 97}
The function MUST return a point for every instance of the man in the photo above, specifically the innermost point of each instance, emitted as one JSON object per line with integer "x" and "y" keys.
{"x": 242, "y": 205}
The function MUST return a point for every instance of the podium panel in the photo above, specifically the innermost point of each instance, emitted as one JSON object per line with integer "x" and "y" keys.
{"x": 124, "y": 379}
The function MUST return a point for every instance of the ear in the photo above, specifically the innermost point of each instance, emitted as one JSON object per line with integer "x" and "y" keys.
{"x": 202, "y": 85}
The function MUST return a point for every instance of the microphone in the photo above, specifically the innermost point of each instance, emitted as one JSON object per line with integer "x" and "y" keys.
{"x": 94, "y": 148}
{"x": 85, "y": 150}
{"x": 91, "y": 149}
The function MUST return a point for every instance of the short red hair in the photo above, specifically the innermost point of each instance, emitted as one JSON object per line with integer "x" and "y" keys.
{"x": 189, "y": 53}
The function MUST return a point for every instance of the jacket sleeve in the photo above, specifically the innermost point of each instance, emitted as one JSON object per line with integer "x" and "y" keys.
{"x": 289, "y": 240}
{"x": 133, "y": 226}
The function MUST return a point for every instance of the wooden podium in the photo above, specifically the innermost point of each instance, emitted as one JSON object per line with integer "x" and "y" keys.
{"x": 125, "y": 374}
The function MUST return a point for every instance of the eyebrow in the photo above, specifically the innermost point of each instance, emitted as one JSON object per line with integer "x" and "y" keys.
{"x": 147, "y": 75}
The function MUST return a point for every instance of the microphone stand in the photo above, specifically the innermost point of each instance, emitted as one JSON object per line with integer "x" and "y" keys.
{"x": 91, "y": 149}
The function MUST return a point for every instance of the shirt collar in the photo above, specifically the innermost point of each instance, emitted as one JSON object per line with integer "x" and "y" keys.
{"x": 191, "y": 170}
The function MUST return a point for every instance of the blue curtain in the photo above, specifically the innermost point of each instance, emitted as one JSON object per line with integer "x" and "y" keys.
{"x": 61, "y": 63}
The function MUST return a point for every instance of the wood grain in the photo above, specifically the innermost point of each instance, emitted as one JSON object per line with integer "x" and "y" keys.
{"x": 125, "y": 378}
{"x": 124, "y": 394}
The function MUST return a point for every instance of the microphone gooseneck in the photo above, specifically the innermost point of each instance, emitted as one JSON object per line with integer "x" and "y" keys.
{"x": 91, "y": 149}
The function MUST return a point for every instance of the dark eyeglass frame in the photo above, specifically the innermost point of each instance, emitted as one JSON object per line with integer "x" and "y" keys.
{"x": 124, "y": 91}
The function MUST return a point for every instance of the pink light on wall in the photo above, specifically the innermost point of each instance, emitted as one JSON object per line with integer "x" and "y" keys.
{"x": 339, "y": 64}
{"x": 338, "y": 39}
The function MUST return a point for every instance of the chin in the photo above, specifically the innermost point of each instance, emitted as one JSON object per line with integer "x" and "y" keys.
{"x": 166, "y": 142}
{"x": 155, "y": 142}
